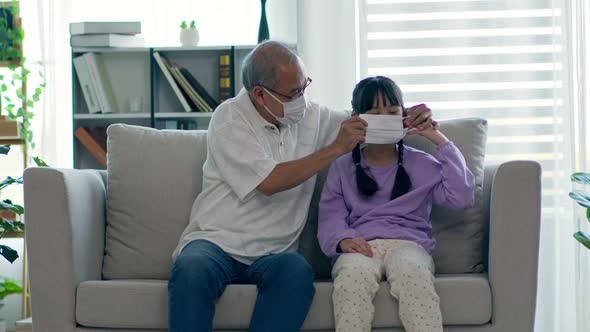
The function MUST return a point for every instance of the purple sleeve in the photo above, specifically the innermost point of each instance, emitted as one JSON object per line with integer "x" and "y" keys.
{"x": 457, "y": 187}
{"x": 333, "y": 214}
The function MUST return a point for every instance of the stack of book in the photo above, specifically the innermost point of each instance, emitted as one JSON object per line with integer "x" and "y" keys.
{"x": 190, "y": 93}
{"x": 106, "y": 34}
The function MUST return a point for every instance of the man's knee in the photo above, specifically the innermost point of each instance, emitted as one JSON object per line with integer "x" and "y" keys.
{"x": 194, "y": 272}
{"x": 291, "y": 267}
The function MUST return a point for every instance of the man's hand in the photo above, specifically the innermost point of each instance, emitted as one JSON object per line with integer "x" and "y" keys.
{"x": 352, "y": 131}
{"x": 356, "y": 245}
{"x": 419, "y": 117}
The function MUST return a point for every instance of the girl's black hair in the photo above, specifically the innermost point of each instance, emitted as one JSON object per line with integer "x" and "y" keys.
{"x": 362, "y": 100}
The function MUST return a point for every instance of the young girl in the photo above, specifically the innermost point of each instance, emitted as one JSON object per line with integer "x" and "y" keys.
{"x": 374, "y": 214}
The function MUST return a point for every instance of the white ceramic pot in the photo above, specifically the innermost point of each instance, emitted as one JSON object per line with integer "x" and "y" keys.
{"x": 2, "y": 325}
{"x": 189, "y": 37}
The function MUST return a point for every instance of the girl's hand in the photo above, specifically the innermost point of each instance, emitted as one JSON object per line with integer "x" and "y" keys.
{"x": 418, "y": 117}
{"x": 356, "y": 245}
{"x": 419, "y": 122}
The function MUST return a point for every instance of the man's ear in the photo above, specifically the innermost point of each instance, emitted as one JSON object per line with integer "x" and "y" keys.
{"x": 258, "y": 95}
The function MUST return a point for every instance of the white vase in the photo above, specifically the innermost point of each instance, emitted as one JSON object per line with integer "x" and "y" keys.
{"x": 2, "y": 325}
{"x": 189, "y": 37}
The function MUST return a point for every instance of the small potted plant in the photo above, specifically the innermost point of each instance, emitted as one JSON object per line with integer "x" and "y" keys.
{"x": 189, "y": 35}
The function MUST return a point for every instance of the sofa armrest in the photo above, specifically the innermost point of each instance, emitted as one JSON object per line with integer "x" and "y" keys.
{"x": 515, "y": 217}
{"x": 65, "y": 227}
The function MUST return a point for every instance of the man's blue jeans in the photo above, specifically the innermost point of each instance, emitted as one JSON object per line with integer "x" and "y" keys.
{"x": 202, "y": 270}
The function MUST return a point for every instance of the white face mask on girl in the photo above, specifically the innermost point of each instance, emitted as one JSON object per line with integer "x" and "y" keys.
{"x": 384, "y": 129}
{"x": 293, "y": 110}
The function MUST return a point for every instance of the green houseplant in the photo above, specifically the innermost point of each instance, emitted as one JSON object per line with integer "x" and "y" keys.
{"x": 583, "y": 199}
{"x": 18, "y": 95}
{"x": 9, "y": 212}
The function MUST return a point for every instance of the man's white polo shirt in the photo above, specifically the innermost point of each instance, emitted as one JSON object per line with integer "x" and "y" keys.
{"x": 242, "y": 150}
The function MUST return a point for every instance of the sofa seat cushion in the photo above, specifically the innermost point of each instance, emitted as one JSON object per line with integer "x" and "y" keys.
{"x": 465, "y": 300}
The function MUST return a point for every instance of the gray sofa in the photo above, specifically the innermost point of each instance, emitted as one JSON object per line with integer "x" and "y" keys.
{"x": 99, "y": 243}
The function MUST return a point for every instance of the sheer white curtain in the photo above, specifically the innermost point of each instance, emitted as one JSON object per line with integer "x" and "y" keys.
{"x": 519, "y": 64}
{"x": 578, "y": 25}
{"x": 532, "y": 84}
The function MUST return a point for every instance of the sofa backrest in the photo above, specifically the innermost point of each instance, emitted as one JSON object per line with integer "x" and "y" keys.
{"x": 154, "y": 177}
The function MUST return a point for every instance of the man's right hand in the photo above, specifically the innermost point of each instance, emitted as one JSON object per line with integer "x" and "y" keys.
{"x": 352, "y": 131}
{"x": 356, "y": 245}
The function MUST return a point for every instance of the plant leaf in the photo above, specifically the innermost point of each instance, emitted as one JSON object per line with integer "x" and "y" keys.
{"x": 10, "y": 180}
{"x": 10, "y": 254}
{"x": 4, "y": 205}
{"x": 11, "y": 226}
{"x": 583, "y": 238}
{"x": 581, "y": 198}
{"x": 581, "y": 177}
{"x": 4, "y": 149}
{"x": 40, "y": 162}
{"x": 588, "y": 214}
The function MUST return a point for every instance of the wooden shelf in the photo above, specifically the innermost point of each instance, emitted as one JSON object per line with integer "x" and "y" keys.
{"x": 134, "y": 74}
{"x": 11, "y": 141}
{"x": 111, "y": 116}
{"x": 110, "y": 49}
{"x": 178, "y": 115}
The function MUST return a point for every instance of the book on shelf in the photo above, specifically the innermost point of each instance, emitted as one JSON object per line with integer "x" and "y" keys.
{"x": 100, "y": 80}
{"x": 124, "y": 28}
{"x": 95, "y": 141}
{"x": 86, "y": 85}
{"x": 225, "y": 77}
{"x": 160, "y": 61}
{"x": 107, "y": 40}
{"x": 194, "y": 97}
{"x": 199, "y": 88}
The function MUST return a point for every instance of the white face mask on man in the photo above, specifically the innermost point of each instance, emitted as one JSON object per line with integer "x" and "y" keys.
{"x": 293, "y": 110}
{"x": 384, "y": 129}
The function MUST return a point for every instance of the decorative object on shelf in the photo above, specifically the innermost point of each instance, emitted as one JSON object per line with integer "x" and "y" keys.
{"x": 583, "y": 199}
{"x": 263, "y": 33}
{"x": 189, "y": 35}
{"x": 135, "y": 104}
{"x": 11, "y": 32}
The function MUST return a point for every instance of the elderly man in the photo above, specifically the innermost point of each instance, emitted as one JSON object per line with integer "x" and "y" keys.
{"x": 264, "y": 148}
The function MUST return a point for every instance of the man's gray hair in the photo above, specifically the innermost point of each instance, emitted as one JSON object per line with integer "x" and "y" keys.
{"x": 260, "y": 65}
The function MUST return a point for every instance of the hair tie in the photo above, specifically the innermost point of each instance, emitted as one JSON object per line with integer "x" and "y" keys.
{"x": 357, "y": 164}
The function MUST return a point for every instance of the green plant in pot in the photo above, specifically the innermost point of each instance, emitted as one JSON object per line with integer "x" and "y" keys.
{"x": 18, "y": 94}
{"x": 10, "y": 213}
{"x": 583, "y": 199}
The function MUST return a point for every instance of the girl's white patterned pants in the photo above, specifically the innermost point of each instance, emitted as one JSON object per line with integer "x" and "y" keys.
{"x": 410, "y": 272}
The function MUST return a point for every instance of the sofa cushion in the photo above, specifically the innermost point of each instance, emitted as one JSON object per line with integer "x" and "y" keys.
{"x": 460, "y": 235}
{"x": 154, "y": 177}
{"x": 465, "y": 300}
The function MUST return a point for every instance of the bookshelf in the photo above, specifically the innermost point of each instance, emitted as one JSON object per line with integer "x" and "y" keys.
{"x": 134, "y": 74}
